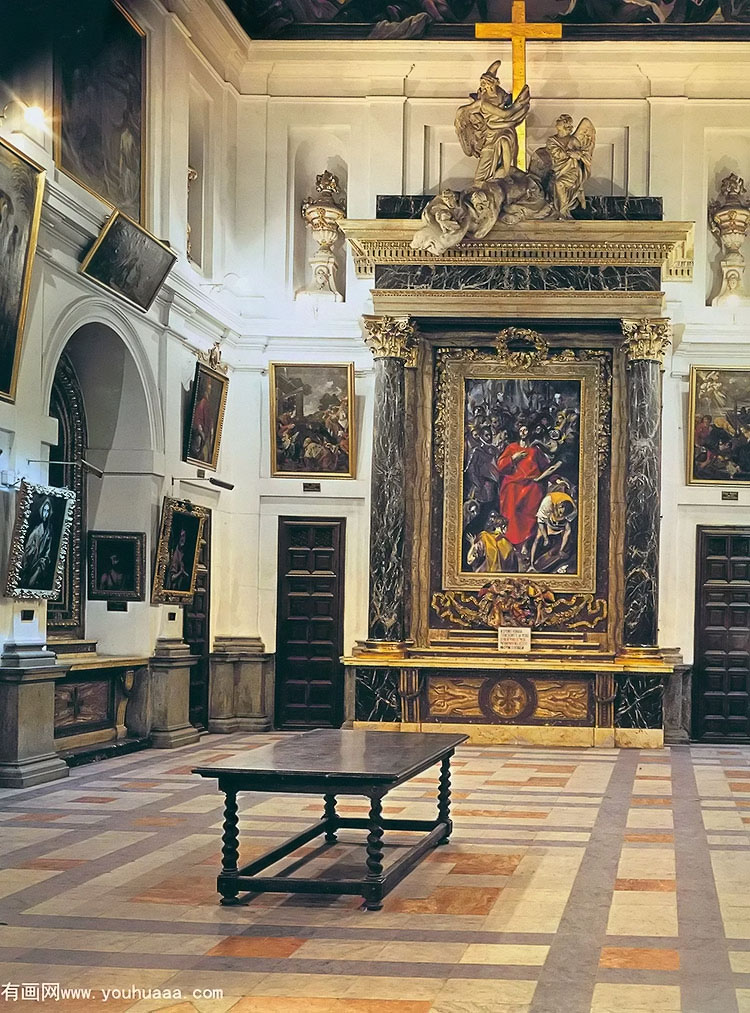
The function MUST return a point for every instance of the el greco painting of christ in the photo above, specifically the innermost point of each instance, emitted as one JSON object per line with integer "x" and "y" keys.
{"x": 520, "y": 490}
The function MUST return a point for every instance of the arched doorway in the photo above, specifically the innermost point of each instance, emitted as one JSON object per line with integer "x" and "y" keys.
{"x": 65, "y": 614}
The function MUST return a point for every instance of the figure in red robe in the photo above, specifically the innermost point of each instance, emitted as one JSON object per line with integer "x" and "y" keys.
{"x": 522, "y": 469}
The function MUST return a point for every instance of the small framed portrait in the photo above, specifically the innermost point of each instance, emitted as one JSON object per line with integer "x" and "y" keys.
{"x": 116, "y": 566}
{"x": 206, "y": 419}
{"x": 312, "y": 416}
{"x": 177, "y": 552}
{"x": 99, "y": 94}
{"x": 39, "y": 542}
{"x": 128, "y": 260}
{"x": 21, "y": 191}
{"x": 719, "y": 426}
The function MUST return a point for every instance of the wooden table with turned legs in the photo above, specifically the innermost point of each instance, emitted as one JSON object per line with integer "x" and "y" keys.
{"x": 332, "y": 762}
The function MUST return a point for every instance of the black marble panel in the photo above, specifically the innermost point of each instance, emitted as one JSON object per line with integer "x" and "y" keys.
{"x": 388, "y": 504}
{"x": 630, "y": 209}
{"x": 518, "y": 278}
{"x": 376, "y": 695}
{"x": 638, "y": 701}
{"x": 642, "y": 504}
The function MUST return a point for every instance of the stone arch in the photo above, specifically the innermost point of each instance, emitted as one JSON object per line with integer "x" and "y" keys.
{"x": 99, "y": 315}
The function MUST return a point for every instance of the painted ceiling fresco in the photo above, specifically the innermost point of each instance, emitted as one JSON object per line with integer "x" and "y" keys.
{"x": 409, "y": 19}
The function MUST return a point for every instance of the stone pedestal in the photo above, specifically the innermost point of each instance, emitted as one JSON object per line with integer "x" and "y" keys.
{"x": 170, "y": 695}
{"x": 645, "y": 343}
{"x": 677, "y": 699}
{"x": 393, "y": 344}
{"x": 27, "y": 716}
{"x": 241, "y": 690}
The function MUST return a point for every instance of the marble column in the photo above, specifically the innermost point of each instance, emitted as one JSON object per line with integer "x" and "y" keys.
{"x": 393, "y": 343}
{"x": 644, "y": 345}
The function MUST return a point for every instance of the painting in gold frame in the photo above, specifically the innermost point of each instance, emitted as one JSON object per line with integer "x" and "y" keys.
{"x": 100, "y": 102}
{"x": 39, "y": 543}
{"x": 177, "y": 552}
{"x": 21, "y": 193}
{"x": 129, "y": 261}
{"x": 521, "y": 477}
{"x": 203, "y": 437}
{"x": 312, "y": 420}
{"x": 718, "y": 433}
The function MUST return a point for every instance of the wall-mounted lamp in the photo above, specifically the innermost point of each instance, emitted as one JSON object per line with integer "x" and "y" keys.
{"x": 34, "y": 115}
{"x": 203, "y": 477}
{"x": 90, "y": 469}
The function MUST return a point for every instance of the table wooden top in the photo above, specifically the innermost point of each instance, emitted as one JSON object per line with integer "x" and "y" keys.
{"x": 352, "y": 755}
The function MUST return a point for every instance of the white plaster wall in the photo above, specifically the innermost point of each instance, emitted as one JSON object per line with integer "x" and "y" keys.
{"x": 671, "y": 120}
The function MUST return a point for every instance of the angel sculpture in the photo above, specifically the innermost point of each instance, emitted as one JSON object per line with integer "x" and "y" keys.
{"x": 446, "y": 221}
{"x": 564, "y": 163}
{"x": 486, "y": 126}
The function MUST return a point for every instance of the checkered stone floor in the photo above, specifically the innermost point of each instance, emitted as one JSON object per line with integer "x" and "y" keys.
{"x": 610, "y": 881}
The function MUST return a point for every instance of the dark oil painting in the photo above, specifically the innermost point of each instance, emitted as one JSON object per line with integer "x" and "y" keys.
{"x": 521, "y": 475}
{"x": 99, "y": 103}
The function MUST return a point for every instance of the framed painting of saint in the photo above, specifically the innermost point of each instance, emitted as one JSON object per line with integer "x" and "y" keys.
{"x": 39, "y": 542}
{"x": 129, "y": 261}
{"x": 206, "y": 419}
{"x": 177, "y": 552}
{"x": 520, "y": 494}
{"x": 312, "y": 420}
{"x": 21, "y": 192}
{"x": 99, "y": 95}
{"x": 116, "y": 565}
{"x": 718, "y": 438}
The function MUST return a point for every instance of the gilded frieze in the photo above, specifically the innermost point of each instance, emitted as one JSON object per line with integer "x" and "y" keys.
{"x": 517, "y": 602}
{"x": 508, "y": 699}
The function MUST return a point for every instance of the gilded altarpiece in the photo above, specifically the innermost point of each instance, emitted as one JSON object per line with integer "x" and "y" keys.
{"x": 520, "y": 479}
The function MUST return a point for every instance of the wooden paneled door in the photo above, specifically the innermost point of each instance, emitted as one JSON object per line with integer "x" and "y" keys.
{"x": 196, "y": 631}
{"x": 310, "y": 623}
{"x": 721, "y": 670}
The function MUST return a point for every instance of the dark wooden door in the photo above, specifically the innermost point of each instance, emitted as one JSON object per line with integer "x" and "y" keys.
{"x": 721, "y": 672}
{"x": 309, "y": 623}
{"x": 196, "y": 631}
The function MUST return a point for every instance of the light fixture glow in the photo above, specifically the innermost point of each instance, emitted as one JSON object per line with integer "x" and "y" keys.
{"x": 34, "y": 115}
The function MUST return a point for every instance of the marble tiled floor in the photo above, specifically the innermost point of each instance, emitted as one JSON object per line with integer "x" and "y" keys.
{"x": 610, "y": 881}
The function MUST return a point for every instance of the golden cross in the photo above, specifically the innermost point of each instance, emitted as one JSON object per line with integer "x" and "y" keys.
{"x": 518, "y": 31}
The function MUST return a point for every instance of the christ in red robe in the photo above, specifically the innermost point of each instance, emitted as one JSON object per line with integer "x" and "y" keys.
{"x": 521, "y": 492}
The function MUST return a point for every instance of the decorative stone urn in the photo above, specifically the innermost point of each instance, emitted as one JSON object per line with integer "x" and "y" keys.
{"x": 729, "y": 217}
{"x": 322, "y": 215}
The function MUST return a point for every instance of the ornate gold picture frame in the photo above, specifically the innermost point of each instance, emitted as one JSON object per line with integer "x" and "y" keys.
{"x": 21, "y": 193}
{"x": 312, "y": 420}
{"x": 39, "y": 542}
{"x": 203, "y": 438}
{"x": 718, "y": 431}
{"x": 127, "y": 260}
{"x": 521, "y": 472}
{"x": 177, "y": 552}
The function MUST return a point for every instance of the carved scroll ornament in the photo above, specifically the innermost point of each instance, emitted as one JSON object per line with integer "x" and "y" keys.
{"x": 513, "y": 602}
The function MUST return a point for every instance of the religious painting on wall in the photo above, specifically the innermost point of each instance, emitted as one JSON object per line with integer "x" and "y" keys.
{"x": 312, "y": 420}
{"x": 520, "y": 493}
{"x": 21, "y": 191}
{"x": 450, "y": 19}
{"x": 206, "y": 417}
{"x": 719, "y": 426}
{"x": 128, "y": 260}
{"x": 177, "y": 552}
{"x": 116, "y": 566}
{"x": 39, "y": 541}
{"x": 99, "y": 108}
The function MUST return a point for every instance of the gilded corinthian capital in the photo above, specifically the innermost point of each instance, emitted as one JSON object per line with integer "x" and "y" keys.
{"x": 391, "y": 338}
{"x": 646, "y": 339}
